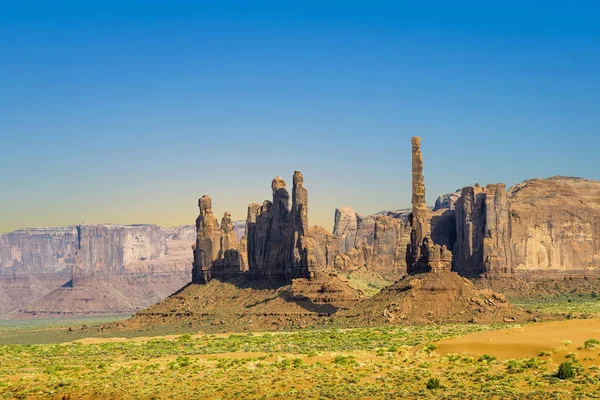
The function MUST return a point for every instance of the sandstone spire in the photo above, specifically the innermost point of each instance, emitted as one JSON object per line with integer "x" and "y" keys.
{"x": 298, "y": 266}
{"x": 269, "y": 237}
{"x": 420, "y": 214}
{"x": 423, "y": 255}
{"x": 206, "y": 248}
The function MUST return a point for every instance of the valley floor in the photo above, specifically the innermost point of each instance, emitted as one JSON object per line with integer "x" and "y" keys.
{"x": 469, "y": 360}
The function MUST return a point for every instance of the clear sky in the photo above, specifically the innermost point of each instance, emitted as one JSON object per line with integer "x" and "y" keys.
{"x": 128, "y": 111}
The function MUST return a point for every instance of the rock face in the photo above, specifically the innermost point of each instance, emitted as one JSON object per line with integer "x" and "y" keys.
{"x": 420, "y": 217}
{"x": 377, "y": 242}
{"x": 104, "y": 250}
{"x": 541, "y": 228}
{"x": 181, "y": 232}
{"x": 229, "y": 262}
{"x": 275, "y": 245}
{"x": 239, "y": 227}
{"x": 146, "y": 261}
{"x": 271, "y": 241}
{"x": 278, "y": 247}
{"x": 353, "y": 229}
{"x": 324, "y": 246}
{"x": 447, "y": 201}
{"x": 483, "y": 224}
{"x": 206, "y": 248}
{"x": 217, "y": 252}
{"x": 303, "y": 263}
{"x": 555, "y": 226}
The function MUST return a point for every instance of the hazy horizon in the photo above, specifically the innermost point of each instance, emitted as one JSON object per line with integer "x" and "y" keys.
{"x": 128, "y": 113}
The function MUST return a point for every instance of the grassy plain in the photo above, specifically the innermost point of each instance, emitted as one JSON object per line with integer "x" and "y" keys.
{"x": 563, "y": 303}
{"x": 449, "y": 361}
{"x": 385, "y": 362}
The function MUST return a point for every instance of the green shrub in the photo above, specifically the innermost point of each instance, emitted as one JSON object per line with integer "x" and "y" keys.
{"x": 429, "y": 348}
{"x": 344, "y": 360}
{"x": 433, "y": 383}
{"x": 565, "y": 371}
{"x": 297, "y": 362}
{"x": 184, "y": 361}
{"x": 185, "y": 338}
{"x": 486, "y": 357}
{"x": 591, "y": 344}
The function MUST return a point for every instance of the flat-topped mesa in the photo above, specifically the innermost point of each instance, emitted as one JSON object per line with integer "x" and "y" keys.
{"x": 483, "y": 227}
{"x": 206, "y": 248}
{"x": 422, "y": 254}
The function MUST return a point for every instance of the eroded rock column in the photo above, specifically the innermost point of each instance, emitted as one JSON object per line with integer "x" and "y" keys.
{"x": 299, "y": 265}
{"x": 269, "y": 238}
{"x": 419, "y": 219}
{"x": 423, "y": 255}
{"x": 206, "y": 248}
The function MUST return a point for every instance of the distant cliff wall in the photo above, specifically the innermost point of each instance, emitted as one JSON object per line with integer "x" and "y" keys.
{"x": 92, "y": 250}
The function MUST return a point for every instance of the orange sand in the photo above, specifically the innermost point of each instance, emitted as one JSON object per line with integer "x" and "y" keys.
{"x": 528, "y": 341}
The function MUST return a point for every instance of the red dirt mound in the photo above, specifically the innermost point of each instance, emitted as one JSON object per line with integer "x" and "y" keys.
{"x": 431, "y": 298}
{"x": 240, "y": 304}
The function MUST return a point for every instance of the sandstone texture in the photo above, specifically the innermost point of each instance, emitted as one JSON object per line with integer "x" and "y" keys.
{"x": 277, "y": 234}
{"x": 541, "y": 228}
{"x": 276, "y": 244}
{"x": 377, "y": 242}
{"x": 447, "y": 201}
{"x": 423, "y": 254}
{"x": 420, "y": 217}
{"x": 36, "y": 262}
{"x": 555, "y": 226}
{"x": 104, "y": 250}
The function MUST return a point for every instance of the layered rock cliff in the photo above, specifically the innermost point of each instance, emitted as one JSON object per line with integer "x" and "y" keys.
{"x": 540, "y": 228}
{"x": 102, "y": 250}
{"x": 40, "y": 262}
{"x": 555, "y": 226}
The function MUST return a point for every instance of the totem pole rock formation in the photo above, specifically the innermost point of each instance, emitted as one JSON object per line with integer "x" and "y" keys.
{"x": 206, "y": 248}
{"x": 302, "y": 264}
{"x": 422, "y": 254}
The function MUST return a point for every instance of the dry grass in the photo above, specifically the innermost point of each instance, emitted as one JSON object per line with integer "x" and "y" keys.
{"x": 388, "y": 362}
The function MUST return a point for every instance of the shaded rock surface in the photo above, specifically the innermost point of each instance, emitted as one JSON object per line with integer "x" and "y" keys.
{"x": 242, "y": 304}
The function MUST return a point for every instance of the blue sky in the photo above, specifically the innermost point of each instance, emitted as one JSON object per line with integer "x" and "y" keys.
{"x": 128, "y": 111}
